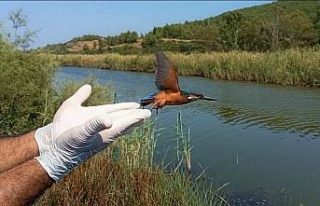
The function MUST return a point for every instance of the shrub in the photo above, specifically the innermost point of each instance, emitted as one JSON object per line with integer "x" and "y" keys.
{"x": 26, "y": 90}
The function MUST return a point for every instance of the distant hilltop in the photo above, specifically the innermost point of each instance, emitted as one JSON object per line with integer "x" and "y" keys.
{"x": 274, "y": 26}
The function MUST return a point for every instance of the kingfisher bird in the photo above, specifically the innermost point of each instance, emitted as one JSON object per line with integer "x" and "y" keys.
{"x": 169, "y": 93}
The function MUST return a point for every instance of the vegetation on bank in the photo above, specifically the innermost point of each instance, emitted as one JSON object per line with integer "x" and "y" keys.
{"x": 291, "y": 67}
{"x": 26, "y": 90}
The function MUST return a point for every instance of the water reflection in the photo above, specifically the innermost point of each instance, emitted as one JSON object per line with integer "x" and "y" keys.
{"x": 273, "y": 121}
{"x": 272, "y": 107}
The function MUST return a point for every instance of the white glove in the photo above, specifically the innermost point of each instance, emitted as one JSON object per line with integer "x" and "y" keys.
{"x": 78, "y": 132}
{"x": 83, "y": 141}
{"x": 72, "y": 114}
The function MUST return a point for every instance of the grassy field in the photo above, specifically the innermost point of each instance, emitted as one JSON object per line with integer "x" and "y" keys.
{"x": 291, "y": 67}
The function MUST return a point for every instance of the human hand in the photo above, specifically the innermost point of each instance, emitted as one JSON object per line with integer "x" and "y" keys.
{"x": 79, "y": 143}
{"x": 72, "y": 114}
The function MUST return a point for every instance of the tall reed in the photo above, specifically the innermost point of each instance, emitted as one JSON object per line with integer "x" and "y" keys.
{"x": 184, "y": 146}
{"x": 291, "y": 67}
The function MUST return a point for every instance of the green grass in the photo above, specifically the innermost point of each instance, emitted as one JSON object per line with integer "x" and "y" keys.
{"x": 291, "y": 67}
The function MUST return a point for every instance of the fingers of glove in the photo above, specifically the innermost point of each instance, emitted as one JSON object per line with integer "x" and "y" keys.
{"x": 97, "y": 124}
{"x": 74, "y": 115}
{"x": 123, "y": 121}
{"x": 80, "y": 95}
{"x": 126, "y": 130}
{"x": 86, "y": 136}
{"x": 122, "y": 114}
{"x": 108, "y": 108}
{"x": 70, "y": 115}
{"x": 76, "y": 99}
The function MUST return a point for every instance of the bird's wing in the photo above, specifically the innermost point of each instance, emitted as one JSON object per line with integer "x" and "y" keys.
{"x": 147, "y": 100}
{"x": 166, "y": 77}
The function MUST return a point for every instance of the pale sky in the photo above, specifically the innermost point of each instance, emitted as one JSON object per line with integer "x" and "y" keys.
{"x": 60, "y": 21}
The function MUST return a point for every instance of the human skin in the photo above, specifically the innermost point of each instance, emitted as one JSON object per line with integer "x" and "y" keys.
{"x": 17, "y": 150}
{"x": 22, "y": 178}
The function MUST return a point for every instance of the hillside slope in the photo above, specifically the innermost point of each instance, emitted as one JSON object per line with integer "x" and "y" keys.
{"x": 273, "y": 26}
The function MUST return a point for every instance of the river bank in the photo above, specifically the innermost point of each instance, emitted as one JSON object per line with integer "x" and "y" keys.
{"x": 290, "y": 67}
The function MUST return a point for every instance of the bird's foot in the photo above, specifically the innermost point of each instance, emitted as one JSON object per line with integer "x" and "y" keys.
{"x": 156, "y": 108}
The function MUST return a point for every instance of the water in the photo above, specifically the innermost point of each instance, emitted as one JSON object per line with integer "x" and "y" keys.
{"x": 263, "y": 139}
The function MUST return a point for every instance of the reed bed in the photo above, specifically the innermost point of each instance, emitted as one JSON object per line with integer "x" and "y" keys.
{"x": 290, "y": 67}
{"x": 139, "y": 63}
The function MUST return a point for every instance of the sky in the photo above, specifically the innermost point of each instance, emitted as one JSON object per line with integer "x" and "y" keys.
{"x": 60, "y": 21}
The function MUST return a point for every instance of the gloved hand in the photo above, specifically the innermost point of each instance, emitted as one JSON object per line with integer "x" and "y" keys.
{"x": 81, "y": 142}
{"x": 77, "y": 132}
{"x": 72, "y": 114}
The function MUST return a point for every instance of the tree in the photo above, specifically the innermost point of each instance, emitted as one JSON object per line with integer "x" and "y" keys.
{"x": 230, "y": 29}
{"x": 297, "y": 30}
{"x": 86, "y": 49}
{"x": 131, "y": 37}
{"x": 150, "y": 41}
{"x": 251, "y": 37}
{"x": 289, "y": 29}
{"x": 20, "y": 20}
{"x": 316, "y": 22}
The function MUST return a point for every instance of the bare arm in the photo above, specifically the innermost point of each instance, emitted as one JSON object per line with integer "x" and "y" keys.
{"x": 23, "y": 184}
{"x": 17, "y": 150}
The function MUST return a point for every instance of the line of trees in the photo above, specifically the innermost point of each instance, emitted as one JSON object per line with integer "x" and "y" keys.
{"x": 128, "y": 37}
{"x": 280, "y": 25}
{"x": 275, "y": 26}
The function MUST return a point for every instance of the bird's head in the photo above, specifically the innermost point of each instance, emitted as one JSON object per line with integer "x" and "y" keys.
{"x": 192, "y": 96}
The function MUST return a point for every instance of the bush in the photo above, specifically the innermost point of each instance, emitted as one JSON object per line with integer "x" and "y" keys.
{"x": 26, "y": 89}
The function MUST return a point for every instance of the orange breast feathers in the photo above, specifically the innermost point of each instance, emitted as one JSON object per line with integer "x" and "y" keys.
{"x": 168, "y": 98}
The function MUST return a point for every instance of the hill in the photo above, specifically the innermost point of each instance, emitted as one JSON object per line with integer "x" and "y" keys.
{"x": 273, "y": 26}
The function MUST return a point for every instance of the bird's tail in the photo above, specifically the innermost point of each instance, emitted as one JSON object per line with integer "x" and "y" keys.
{"x": 147, "y": 100}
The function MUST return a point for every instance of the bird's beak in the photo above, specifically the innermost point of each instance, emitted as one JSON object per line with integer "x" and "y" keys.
{"x": 208, "y": 98}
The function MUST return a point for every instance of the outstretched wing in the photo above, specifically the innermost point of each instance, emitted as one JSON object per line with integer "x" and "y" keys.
{"x": 166, "y": 77}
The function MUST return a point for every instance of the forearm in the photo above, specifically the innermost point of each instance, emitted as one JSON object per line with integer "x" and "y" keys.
{"x": 17, "y": 150}
{"x": 23, "y": 183}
